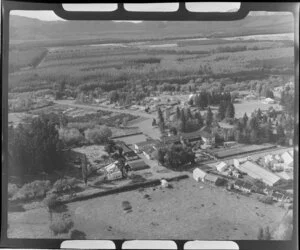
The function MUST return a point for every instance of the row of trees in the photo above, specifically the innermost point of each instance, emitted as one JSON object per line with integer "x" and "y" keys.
{"x": 35, "y": 148}
{"x": 184, "y": 121}
{"x": 264, "y": 128}
{"x": 175, "y": 157}
{"x": 205, "y": 99}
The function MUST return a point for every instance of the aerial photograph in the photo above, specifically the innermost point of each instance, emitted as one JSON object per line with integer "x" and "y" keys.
{"x": 151, "y": 129}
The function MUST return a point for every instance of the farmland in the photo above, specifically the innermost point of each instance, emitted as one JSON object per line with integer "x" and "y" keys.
{"x": 100, "y": 117}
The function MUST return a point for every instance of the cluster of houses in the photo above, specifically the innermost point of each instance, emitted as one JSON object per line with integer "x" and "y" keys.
{"x": 281, "y": 164}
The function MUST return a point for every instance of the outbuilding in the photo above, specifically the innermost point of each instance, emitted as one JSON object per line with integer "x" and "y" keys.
{"x": 199, "y": 174}
{"x": 214, "y": 179}
{"x": 222, "y": 166}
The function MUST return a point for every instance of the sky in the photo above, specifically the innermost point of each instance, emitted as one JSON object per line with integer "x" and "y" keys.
{"x": 203, "y": 6}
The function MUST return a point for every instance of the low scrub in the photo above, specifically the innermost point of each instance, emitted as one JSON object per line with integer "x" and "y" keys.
{"x": 34, "y": 190}
{"x": 12, "y": 189}
{"x": 51, "y": 201}
{"x": 64, "y": 185}
{"x": 61, "y": 224}
{"x": 265, "y": 199}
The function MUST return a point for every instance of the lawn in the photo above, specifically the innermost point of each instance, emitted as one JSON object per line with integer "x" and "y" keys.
{"x": 208, "y": 213}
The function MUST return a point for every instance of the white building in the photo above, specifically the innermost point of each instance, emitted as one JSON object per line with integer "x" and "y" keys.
{"x": 287, "y": 158}
{"x": 222, "y": 166}
{"x": 199, "y": 174}
{"x": 238, "y": 162}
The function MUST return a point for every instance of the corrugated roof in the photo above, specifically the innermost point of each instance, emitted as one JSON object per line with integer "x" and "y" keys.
{"x": 258, "y": 172}
{"x": 211, "y": 177}
{"x": 137, "y": 164}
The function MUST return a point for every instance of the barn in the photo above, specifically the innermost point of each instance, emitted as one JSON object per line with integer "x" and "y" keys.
{"x": 199, "y": 174}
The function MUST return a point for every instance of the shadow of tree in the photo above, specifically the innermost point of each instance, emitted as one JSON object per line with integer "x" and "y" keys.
{"x": 78, "y": 235}
{"x": 61, "y": 208}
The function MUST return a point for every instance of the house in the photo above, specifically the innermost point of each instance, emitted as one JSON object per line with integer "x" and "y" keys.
{"x": 199, "y": 174}
{"x": 268, "y": 158}
{"x": 214, "y": 179}
{"x": 257, "y": 172}
{"x": 287, "y": 159}
{"x": 268, "y": 101}
{"x": 112, "y": 167}
{"x": 171, "y": 139}
{"x": 192, "y": 136}
{"x": 207, "y": 137}
{"x": 278, "y": 167}
{"x": 243, "y": 186}
{"x": 222, "y": 166}
{"x": 148, "y": 151}
{"x": 139, "y": 147}
{"x": 114, "y": 175}
{"x": 127, "y": 152}
{"x": 236, "y": 174}
{"x": 137, "y": 165}
{"x": 277, "y": 196}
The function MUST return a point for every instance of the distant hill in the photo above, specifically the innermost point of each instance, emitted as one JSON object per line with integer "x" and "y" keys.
{"x": 30, "y": 29}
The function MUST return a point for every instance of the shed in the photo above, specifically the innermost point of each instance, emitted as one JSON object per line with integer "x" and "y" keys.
{"x": 199, "y": 174}
{"x": 137, "y": 165}
{"x": 237, "y": 162}
{"x": 222, "y": 166}
{"x": 214, "y": 179}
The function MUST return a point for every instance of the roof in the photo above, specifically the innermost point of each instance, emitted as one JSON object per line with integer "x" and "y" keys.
{"x": 171, "y": 139}
{"x": 125, "y": 148}
{"x": 199, "y": 173}
{"x": 206, "y": 132}
{"x": 287, "y": 158}
{"x": 139, "y": 164}
{"x": 111, "y": 167}
{"x": 243, "y": 184}
{"x": 191, "y": 135}
{"x": 146, "y": 143}
{"x": 148, "y": 149}
{"x": 258, "y": 172}
{"x": 211, "y": 177}
{"x": 221, "y": 166}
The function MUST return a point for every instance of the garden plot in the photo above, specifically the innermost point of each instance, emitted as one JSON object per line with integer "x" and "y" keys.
{"x": 94, "y": 153}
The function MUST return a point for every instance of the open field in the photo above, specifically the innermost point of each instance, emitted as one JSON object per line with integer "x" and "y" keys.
{"x": 165, "y": 215}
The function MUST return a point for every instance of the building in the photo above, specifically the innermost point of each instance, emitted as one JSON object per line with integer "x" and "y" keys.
{"x": 287, "y": 159}
{"x": 148, "y": 152}
{"x": 207, "y": 137}
{"x": 127, "y": 152}
{"x": 192, "y": 136}
{"x": 238, "y": 162}
{"x": 222, "y": 166}
{"x": 199, "y": 174}
{"x": 214, "y": 179}
{"x": 137, "y": 165}
{"x": 114, "y": 175}
{"x": 257, "y": 172}
{"x": 268, "y": 101}
{"x": 139, "y": 147}
{"x": 236, "y": 174}
{"x": 243, "y": 186}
